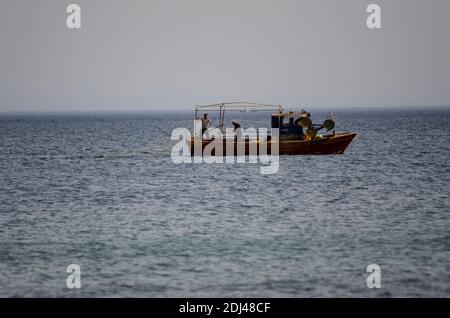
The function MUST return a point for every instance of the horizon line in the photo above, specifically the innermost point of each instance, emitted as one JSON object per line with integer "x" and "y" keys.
{"x": 178, "y": 109}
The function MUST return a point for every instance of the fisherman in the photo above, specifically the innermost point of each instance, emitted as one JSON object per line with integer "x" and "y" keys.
{"x": 235, "y": 124}
{"x": 205, "y": 123}
{"x": 237, "y": 129}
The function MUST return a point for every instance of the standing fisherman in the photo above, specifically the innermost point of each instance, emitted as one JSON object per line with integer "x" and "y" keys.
{"x": 205, "y": 123}
{"x": 237, "y": 129}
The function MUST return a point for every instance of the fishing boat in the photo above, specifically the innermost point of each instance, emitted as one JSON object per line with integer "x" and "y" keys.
{"x": 296, "y": 133}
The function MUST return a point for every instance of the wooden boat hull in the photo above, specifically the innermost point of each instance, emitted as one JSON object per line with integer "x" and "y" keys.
{"x": 329, "y": 145}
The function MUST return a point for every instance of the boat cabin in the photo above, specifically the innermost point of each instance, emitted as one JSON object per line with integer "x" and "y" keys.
{"x": 290, "y": 124}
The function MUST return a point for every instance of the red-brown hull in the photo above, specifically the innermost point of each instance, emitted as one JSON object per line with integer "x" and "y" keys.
{"x": 328, "y": 146}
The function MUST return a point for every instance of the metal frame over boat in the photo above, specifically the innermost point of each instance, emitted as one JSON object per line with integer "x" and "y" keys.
{"x": 292, "y": 140}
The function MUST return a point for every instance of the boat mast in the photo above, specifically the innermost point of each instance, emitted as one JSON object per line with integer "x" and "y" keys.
{"x": 221, "y": 115}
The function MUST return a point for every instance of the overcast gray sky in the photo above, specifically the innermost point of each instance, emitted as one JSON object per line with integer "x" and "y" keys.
{"x": 150, "y": 55}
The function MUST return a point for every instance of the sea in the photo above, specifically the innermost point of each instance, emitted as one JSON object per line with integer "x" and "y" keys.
{"x": 101, "y": 191}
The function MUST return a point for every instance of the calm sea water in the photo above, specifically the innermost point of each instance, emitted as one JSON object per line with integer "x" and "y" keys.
{"x": 101, "y": 191}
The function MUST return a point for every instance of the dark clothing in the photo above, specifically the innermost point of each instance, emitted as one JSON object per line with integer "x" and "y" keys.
{"x": 237, "y": 131}
{"x": 205, "y": 123}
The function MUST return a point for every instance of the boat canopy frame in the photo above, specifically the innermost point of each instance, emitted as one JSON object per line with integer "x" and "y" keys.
{"x": 239, "y": 107}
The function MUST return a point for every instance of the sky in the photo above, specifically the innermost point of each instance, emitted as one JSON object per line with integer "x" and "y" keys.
{"x": 171, "y": 54}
